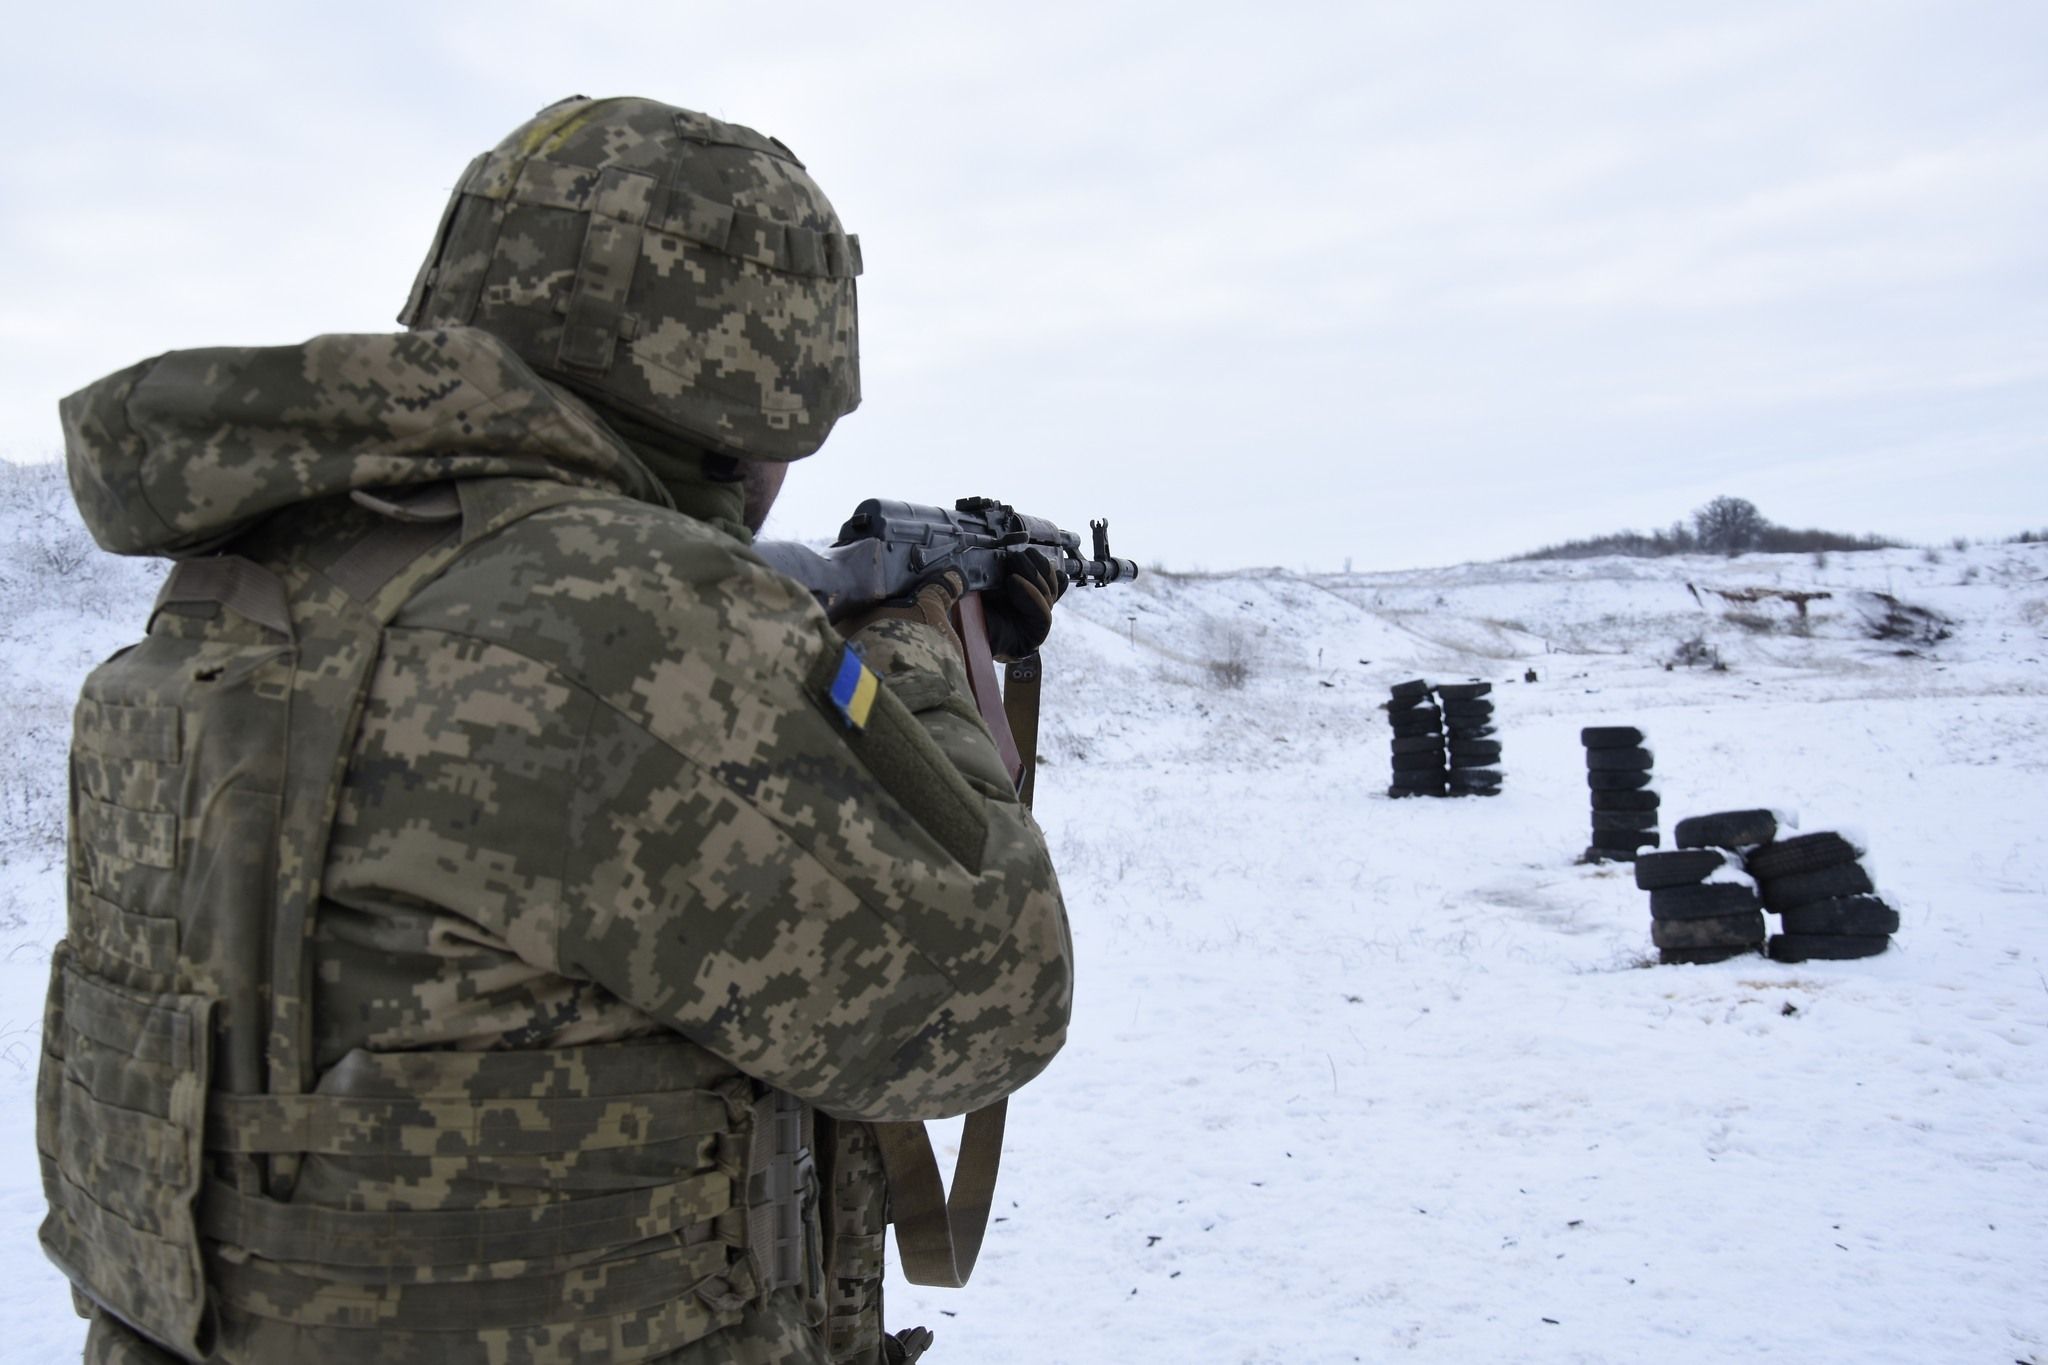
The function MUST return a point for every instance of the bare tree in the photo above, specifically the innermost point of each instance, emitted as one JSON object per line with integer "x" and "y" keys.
{"x": 1729, "y": 526}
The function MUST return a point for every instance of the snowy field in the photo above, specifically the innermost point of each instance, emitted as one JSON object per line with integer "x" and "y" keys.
{"x": 1354, "y": 1079}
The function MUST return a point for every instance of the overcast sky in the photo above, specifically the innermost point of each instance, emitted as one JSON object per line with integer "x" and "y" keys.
{"x": 1286, "y": 283}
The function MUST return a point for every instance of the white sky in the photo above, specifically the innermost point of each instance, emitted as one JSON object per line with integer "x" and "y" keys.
{"x": 1292, "y": 283}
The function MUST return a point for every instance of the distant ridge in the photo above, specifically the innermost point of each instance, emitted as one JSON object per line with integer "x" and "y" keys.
{"x": 1727, "y": 525}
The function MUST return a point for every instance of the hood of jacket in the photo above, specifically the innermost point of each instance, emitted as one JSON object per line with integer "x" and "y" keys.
{"x": 177, "y": 454}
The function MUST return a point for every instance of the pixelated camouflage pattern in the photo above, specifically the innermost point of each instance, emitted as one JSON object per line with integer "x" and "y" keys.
{"x": 602, "y": 847}
{"x": 180, "y": 452}
{"x": 665, "y": 263}
{"x": 857, "y": 1219}
{"x": 108, "y": 1342}
{"x": 688, "y": 825}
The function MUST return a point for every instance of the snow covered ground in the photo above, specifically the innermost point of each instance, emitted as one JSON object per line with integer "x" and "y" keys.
{"x": 1354, "y": 1079}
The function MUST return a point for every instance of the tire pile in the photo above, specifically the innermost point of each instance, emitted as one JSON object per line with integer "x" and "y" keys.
{"x": 1473, "y": 744}
{"x": 1420, "y": 754}
{"x": 1618, "y": 779}
{"x": 1709, "y": 895}
{"x": 1444, "y": 740}
{"x": 1824, "y": 898}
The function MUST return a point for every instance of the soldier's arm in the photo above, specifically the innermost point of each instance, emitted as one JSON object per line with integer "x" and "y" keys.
{"x": 856, "y": 909}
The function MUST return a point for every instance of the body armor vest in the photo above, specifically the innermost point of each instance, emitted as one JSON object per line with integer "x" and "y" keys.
{"x": 610, "y": 1202}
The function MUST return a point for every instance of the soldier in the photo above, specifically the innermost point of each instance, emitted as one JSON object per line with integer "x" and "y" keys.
{"x": 499, "y": 904}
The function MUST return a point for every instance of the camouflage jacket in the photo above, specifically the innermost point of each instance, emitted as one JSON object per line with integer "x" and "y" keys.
{"x": 598, "y": 793}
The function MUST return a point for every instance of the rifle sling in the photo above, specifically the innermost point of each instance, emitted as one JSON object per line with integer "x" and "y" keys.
{"x": 1020, "y": 706}
{"x": 939, "y": 1238}
{"x": 981, "y": 680}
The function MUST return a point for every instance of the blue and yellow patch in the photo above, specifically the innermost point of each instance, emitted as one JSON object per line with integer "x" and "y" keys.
{"x": 853, "y": 689}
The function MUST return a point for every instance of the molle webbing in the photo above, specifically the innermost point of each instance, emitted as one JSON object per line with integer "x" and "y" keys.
{"x": 596, "y": 308}
{"x": 440, "y": 1240}
{"x": 639, "y": 199}
{"x": 472, "y": 1305}
{"x": 518, "y": 1125}
{"x": 628, "y": 1272}
{"x": 119, "y": 1104}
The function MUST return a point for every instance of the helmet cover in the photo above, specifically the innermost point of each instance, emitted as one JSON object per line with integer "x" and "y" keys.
{"x": 662, "y": 263}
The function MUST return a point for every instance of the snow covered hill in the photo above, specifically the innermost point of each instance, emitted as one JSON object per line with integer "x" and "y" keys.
{"x": 1354, "y": 1079}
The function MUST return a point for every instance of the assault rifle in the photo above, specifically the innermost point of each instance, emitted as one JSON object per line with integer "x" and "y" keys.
{"x": 886, "y": 548}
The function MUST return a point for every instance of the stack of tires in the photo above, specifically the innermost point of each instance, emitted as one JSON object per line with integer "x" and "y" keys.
{"x": 1709, "y": 895}
{"x": 1703, "y": 906}
{"x": 1823, "y": 895}
{"x": 1419, "y": 752}
{"x": 1618, "y": 778}
{"x": 1474, "y": 747}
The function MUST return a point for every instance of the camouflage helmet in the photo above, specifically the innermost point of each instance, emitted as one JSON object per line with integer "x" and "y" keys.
{"x": 666, "y": 265}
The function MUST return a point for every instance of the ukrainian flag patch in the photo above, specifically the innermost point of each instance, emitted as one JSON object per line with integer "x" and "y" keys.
{"x": 853, "y": 689}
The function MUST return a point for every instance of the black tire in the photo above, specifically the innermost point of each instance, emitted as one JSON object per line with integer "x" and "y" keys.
{"x": 1710, "y": 931}
{"x": 1413, "y": 690}
{"x": 1700, "y": 956}
{"x": 1624, "y": 819}
{"x": 1475, "y": 779}
{"x": 1611, "y": 737}
{"x": 1417, "y": 744}
{"x": 1643, "y": 799}
{"x": 1471, "y": 691}
{"x": 1810, "y": 888}
{"x": 1428, "y": 751}
{"x": 1802, "y": 853}
{"x": 1602, "y": 780}
{"x": 1402, "y": 789}
{"x": 1418, "y": 763}
{"x": 1625, "y": 842}
{"x": 1474, "y": 753}
{"x": 1430, "y": 732}
{"x": 1702, "y": 901}
{"x": 1833, "y": 947}
{"x": 1726, "y": 829}
{"x": 1468, "y": 710}
{"x": 1680, "y": 867}
{"x": 1416, "y": 716}
{"x": 1619, "y": 760}
{"x": 1471, "y": 731}
{"x": 1847, "y": 915}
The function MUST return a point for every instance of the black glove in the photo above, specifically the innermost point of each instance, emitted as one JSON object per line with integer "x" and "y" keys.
{"x": 904, "y": 1347}
{"x": 1020, "y": 607}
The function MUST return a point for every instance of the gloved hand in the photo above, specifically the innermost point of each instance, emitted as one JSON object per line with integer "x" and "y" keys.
{"x": 931, "y": 602}
{"x": 1019, "y": 609}
{"x": 904, "y": 1347}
